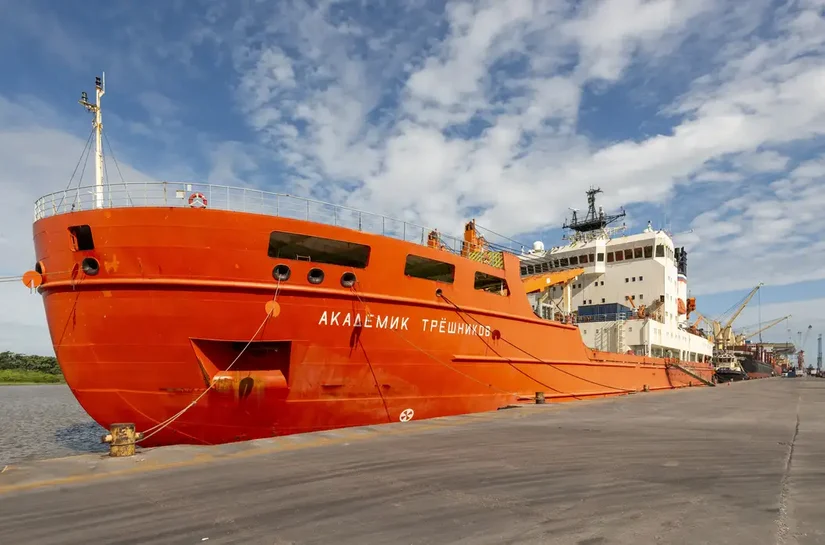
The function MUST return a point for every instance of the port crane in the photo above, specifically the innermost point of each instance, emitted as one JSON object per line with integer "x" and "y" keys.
{"x": 800, "y": 354}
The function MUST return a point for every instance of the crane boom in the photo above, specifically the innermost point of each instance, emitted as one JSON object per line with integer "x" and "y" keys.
{"x": 742, "y": 306}
{"x": 765, "y": 327}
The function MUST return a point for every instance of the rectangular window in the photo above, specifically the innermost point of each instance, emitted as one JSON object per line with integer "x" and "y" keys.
{"x": 634, "y": 278}
{"x": 81, "y": 238}
{"x": 524, "y": 271}
{"x": 602, "y": 299}
{"x": 317, "y": 250}
{"x": 574, "y": 260}
{"x": 660, "y": 250}
{"x": 429, "y": 269}
{"x": 628, "y": 254}
{"x": 592, "y": 258}
{"x": 490, "y": 283}
{"x": 641, "y": 278}
{"x": 627, "y": 279}
{"x": 564, "y": 262}
{"x": 600, "y": 256}
{"x": 648, "y": 251}
{"x": 637, "y": 253}
{"x": 619, "y": 256}
{"x": 610, "y": 257}
{"x": 583, "y": 258}
{"x": 556, "y": 264}
{"x": 641, "y": 296}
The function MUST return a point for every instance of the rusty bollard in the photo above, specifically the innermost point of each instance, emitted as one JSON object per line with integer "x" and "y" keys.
{"x": 121, "y": 439}
{"x": 539, "y": 398}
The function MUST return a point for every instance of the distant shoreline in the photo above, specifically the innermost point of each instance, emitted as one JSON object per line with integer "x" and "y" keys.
{"x": 24, "y": 377}
{"x": 20, "y": 369}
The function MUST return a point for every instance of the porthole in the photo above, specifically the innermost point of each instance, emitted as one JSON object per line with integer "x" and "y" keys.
{"x": 281, "y": 273}
{"x": 315, "y": 276}
{"x": 90, "y": 266}
{"x": 348, "y": 279}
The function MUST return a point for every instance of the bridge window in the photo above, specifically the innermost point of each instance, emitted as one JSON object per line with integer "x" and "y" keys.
{"x": 81, "y": 238}
{"x": 429, "y": 269}
{"x": 601, "y": 256}
{"x": 490, "y": 283}
{"x": 628, "y": 254}
{"x": 610, "y": 257}
{"x": 619, "y": 255}
{"x": 584, "y": 258}
{"x": 648, "y": 251}
{"x": 317, "y": 250}
{"x": 564, "y": 262}
{"x": 660, "y": 250}
{"x": 574, "y": 260}
{"x": 637, "y": 252}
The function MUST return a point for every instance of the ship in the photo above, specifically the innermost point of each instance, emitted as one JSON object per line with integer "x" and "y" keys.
{"x": 207, "y": 314}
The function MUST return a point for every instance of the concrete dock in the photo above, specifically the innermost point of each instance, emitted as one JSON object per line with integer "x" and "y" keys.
{"x": 741, "y": 463}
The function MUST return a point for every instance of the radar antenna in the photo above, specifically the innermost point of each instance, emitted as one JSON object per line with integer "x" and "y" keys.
{"x": 594, "y": 223}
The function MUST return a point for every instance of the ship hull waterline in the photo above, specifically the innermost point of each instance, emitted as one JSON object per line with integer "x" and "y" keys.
{"x": 181, "y": 292}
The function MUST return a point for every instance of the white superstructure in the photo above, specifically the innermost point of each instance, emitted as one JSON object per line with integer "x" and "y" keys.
{"x": 631, "y": 294}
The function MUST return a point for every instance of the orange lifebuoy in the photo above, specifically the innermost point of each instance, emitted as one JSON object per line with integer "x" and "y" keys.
{"x": 197, "y": 200}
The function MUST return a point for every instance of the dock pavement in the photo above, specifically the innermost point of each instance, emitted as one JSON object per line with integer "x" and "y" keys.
{"x": 736, "y": 464}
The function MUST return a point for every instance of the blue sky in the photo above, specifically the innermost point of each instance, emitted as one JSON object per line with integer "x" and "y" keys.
{"x": 706, "y": 117}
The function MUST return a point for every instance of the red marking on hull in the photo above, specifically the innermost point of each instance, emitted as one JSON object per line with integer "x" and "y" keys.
{"x": 180, "y": 292}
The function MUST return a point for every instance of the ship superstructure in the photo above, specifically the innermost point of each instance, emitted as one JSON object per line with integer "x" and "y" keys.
{"x": 630, "y": 293}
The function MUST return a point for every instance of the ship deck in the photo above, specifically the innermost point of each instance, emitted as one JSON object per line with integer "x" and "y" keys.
{"x": 740, "y": 463}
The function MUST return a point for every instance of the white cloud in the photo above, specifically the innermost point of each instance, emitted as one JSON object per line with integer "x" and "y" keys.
{"x": 477, "y": 111}
{"x": 484, "y": 121}
{"x": 763, "y": 161}
{"x": 718, "y": 176}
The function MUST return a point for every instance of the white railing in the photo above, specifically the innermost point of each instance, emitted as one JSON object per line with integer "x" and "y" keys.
{"x": 252, "y": 201}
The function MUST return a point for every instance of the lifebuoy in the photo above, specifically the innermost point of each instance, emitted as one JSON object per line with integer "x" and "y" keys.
{"x": 197, "y": 200}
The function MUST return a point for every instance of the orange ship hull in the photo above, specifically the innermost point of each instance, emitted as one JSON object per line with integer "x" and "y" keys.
{"x": 181, "y": 292}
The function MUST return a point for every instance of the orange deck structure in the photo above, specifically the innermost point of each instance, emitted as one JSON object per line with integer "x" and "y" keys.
{"x": 206, "y": 314}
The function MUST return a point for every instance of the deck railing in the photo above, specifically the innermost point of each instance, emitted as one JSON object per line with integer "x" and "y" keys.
{"x": 252, "y": 201}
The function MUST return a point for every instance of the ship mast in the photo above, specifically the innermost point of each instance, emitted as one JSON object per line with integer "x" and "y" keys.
{"x": 595, "y": 224}
{"x": 97, "y": 125}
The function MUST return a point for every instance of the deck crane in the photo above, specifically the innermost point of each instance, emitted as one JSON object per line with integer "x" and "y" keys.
{"x": 740, "y": 339}
{"x": 721, "y": 334}
{"x": 725, "y": 338}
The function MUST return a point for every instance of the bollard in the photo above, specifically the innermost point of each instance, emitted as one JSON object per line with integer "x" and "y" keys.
{"x": 539, "y": 398}
{"x": 121, "y": 439}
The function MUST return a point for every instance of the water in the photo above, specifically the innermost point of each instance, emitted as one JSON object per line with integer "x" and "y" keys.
{"x": 44, "y": 421}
